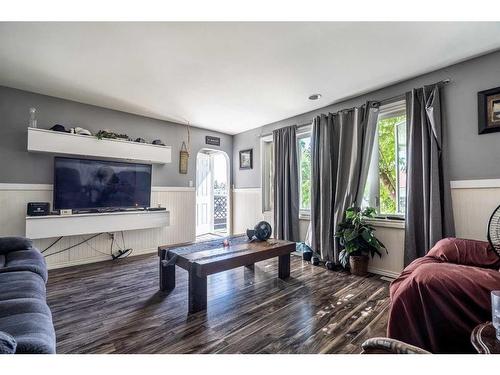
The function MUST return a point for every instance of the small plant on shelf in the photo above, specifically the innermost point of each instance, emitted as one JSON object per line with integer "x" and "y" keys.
{"x": 358, "y": 240}
{"x": 101, "y": 134}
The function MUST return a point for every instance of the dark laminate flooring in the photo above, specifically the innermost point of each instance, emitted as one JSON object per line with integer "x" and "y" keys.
{"x": 115, "y": 307}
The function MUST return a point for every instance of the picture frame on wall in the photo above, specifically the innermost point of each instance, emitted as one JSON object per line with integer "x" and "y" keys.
{"x": 488, "y": 108}
{"x": 246, "y": 159}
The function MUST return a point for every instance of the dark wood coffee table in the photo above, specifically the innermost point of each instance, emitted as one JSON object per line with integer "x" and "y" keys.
{"x": 484, "y": 339}
{"x": 201, "y": 259}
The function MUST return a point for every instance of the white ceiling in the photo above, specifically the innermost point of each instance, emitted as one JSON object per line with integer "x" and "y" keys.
{"x": 229, "y": 77}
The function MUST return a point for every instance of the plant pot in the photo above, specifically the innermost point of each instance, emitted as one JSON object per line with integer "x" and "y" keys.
{"x": 358, "y": 265}
{"x": 307, "y": 255}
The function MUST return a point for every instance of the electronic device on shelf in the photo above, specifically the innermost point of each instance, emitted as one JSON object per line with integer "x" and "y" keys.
{"x": 88, "y": 185}
{"x": 38, "y": 208}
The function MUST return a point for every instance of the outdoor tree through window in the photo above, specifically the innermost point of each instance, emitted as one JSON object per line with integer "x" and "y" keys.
{"x": 386, "y": 186}
{"x": 304, "y": 143}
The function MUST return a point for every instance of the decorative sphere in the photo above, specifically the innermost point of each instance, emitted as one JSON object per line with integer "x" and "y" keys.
{"x": 263, "y": 231}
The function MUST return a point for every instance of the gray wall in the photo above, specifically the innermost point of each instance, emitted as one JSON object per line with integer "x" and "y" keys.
{"x": 19, "y": 166}
{"x": 471, "y": 156}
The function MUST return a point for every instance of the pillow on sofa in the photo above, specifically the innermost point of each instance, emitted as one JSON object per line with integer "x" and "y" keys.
{"x": 7, "y": 343}
{"x": 8, "y": 244}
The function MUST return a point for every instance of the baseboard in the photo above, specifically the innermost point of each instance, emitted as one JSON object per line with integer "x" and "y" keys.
{"x": 98, "y": 259}
{"x": 379, "y": 271}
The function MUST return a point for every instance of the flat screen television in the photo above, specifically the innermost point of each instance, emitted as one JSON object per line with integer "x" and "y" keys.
{"x": 84, "y": 184}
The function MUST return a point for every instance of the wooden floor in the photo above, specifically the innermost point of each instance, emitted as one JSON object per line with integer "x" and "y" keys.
{"x": 115, "y": 307}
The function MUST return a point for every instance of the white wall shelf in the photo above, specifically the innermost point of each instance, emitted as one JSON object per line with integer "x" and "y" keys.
{"x": 73, "y": 225}
{"x": 41, "y": 140}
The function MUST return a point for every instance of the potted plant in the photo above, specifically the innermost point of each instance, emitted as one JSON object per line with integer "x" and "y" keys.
{"x": 358, "y": 240}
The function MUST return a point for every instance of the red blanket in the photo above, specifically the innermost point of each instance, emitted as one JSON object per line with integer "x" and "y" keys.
{"x": 439, "y": 299}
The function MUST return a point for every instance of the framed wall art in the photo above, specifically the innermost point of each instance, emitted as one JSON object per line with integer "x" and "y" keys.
{"x": 488, "y": 108}
{"x": 246, "y": 159}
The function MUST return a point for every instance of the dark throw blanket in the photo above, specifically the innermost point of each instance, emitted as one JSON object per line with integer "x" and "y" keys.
{"x": 439, "y": 299}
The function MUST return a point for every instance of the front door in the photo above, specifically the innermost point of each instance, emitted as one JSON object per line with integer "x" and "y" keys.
{"x": 204, "y": 194}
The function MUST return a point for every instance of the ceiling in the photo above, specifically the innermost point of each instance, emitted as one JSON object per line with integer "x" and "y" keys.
{"x": 229, "y": 77}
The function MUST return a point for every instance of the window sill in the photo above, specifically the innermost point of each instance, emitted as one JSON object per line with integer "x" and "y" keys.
{"x": 387, "y": 223}
{"x": 304, "y": 216}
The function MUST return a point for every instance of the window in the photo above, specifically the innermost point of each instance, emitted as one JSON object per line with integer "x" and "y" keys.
{"x": 304, "y": 153}
{"x": 304, "y": 164}
{"x": 386, "y": 185}
{"x": 267, "y": 147}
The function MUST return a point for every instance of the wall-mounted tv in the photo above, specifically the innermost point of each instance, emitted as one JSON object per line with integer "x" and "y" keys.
{"x": 84, "y": 184}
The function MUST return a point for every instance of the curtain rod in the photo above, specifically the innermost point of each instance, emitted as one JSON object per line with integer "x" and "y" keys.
{"x": 380, "y": 102}
{"x": 402, "y": 96}
{"x": 298, "y": 127}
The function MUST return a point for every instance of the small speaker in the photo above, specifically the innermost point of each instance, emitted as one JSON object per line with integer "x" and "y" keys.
{"x": 38, "y": 208}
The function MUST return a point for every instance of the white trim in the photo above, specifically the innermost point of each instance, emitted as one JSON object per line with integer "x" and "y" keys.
{"x": 304, "y": 216}
{"x": 304, "y": 131}
{"x": 247, "y": 190}
{"x": 267, "y": 138}
{"x": 32, "y": 187}
{"x": 379, "y": 271}
{"x": 387, "y": 223}
{"x": 49, "y": 187}
{"x": 475, "y": 184}
{"x": 172, "y": 188}
{"x": 391, "y": 109}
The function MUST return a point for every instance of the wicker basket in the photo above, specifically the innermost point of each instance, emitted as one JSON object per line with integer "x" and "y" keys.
{"x": 358, "y": 265}
{"x": 183, "y": 159}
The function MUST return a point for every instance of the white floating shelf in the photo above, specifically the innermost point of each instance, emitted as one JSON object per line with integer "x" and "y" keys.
{"x": 41, "y": 140}
{"x": 73, "y": 225}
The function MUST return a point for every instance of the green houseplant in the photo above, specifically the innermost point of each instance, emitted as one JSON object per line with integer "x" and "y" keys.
{"x": 358, "y": 240}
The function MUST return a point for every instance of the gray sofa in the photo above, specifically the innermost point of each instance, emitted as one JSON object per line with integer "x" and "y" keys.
{"x": 25, "y": 319}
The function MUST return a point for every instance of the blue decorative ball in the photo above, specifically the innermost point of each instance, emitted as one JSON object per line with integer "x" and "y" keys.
{"x": 263, "y": 230}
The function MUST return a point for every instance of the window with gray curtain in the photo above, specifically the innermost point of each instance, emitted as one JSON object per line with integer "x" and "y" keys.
{"x": 286, "y": 184}
{"x": 341, "y": 147}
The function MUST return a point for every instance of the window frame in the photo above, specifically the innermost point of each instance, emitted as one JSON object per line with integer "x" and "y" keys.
{"x": 392, "y": 109}
{"x": 267, "y": 174}
{"x": 304, "y": 132}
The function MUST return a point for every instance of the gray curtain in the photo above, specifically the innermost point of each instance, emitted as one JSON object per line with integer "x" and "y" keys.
{"x": 428, "y": 204}
{"x": 286, "y": 184}
{"x": 341, "y": 147}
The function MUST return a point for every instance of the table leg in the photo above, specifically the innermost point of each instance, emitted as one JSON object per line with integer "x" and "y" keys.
{"x": 197, "y": 292}
{"x": 250, "y": 266}
{"x": 284, "y": 266}
{"x": 167, "y": 275}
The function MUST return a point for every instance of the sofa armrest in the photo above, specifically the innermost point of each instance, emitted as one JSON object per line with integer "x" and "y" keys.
{"x": 7, "y": 343}
{"x": 465, "y": 252}
{"x": 385, "y": 345}
{"x": 8, "y": 244}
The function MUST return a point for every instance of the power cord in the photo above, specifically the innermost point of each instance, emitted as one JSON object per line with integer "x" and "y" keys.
{"x": 69, "y": 247}
{"x": 122, "y": 251}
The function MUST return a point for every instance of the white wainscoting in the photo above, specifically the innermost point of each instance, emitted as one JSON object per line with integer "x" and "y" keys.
{"x": 390, "y": 264}
{"x": 247, "y": 209}
{"x": 473, "y": 204}
{"x": 178, "y": 200}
